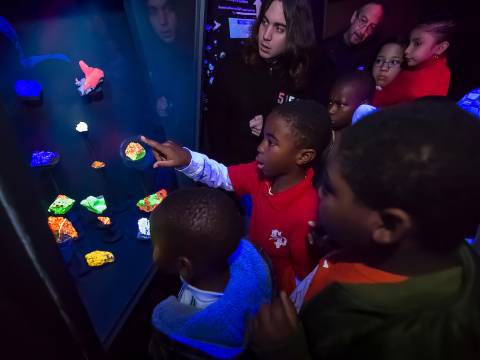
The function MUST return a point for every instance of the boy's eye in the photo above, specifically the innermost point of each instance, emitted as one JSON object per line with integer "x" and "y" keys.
{"x": 264, "y": 21}
{"x": 280, "y": 29}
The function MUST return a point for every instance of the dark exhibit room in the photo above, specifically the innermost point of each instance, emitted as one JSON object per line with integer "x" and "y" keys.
{"x": 112, "y": 111}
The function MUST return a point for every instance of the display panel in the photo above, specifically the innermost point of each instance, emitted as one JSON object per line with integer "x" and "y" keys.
{"x": 81, "y": 81}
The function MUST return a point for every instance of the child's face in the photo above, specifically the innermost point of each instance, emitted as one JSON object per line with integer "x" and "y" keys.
{"x": 277, "y": 153}
{"x": 342, "y": 104}
{"x": 272, "y": 33}
{"x": 387, "y": 64}
{"x": 347, "y": 223}
{"x": 423, "y": 46}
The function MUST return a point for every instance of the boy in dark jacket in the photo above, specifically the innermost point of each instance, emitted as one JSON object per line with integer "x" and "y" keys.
{"x": 399, "y": 196}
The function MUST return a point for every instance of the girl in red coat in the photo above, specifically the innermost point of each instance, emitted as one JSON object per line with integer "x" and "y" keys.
{"x": 427, "y": 72}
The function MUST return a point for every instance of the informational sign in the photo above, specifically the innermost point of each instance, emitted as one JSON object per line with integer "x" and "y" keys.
{"x": 240, "y": 28}
{"x": 238, "y": 15}
{"x": 229, "y": 23}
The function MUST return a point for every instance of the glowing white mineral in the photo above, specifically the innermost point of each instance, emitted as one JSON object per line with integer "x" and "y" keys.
{"x": 82, "y": 127}
{"x": 143, "y": 229}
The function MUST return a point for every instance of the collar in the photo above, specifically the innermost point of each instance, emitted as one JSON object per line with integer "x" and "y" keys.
{"x": 441, "y": 61}
{"x": 191, "y": 295}
{"x": 445, "y": 287}
{"x": 278, "y": 66}
{"x": 284, "y": 199}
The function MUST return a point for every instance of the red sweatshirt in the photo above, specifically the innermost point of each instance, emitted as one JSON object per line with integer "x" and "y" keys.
{"x": 431, "y": 77}
{"x": 279, "y": 224}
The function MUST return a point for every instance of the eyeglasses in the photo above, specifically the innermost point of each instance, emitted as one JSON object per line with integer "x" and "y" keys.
{"x": 363, "y": 23}
{"x": 379, "y": 62}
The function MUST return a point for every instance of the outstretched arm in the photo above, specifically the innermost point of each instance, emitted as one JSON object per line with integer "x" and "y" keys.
{"x": 195, "y": 165}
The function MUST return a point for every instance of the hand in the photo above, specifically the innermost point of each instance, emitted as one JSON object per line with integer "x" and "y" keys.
{"x": 168, "y": 154}
{"x": 256, "y": 125}
{"x": 274, "y": 323}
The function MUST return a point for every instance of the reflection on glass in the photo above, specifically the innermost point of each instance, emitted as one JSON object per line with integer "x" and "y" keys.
{"x": 164, "y": 32}
{"x": 163, "y": 17}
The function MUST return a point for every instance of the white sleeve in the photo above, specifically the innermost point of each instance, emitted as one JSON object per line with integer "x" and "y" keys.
{"x": 298, "y": 295}
{"x": 207, "y": 171}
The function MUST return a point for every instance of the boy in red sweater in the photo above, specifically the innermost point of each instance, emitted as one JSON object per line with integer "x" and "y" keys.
{"x": 427, "y": 73}
{"x": 279, "y": 182}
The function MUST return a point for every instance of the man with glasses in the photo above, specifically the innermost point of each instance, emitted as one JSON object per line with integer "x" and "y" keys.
{"x": 363, "y": 23}
{"x": 350, "y": 49}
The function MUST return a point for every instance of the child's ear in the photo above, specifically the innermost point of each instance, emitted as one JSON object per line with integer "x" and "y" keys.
{"x": 306, "y": 156}
{"x": 185, "y": 268}
{"x": 441, "y": 48}
{"x": 395, "y": 225}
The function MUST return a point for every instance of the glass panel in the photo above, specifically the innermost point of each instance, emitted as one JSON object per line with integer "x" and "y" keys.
{"x": 149, "y": 87}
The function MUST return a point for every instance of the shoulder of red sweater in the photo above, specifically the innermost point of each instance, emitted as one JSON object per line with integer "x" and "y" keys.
{"x": 428, "y": 65}
{"x": 309, "y": 199}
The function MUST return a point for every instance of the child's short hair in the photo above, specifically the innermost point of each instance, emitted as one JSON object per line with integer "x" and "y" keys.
{"x": 199, "y": 223}
{"x": 310, "y": 123}
{"x": 423, "y": 158}
{"x": 362, "y": 80}
{"x": 441, "y": 26}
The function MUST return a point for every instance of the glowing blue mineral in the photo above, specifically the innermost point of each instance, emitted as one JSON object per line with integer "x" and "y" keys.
{"x": 44, "y": 158}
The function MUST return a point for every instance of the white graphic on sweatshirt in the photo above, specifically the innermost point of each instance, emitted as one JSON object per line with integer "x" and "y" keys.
{"x": 278, "y": 239}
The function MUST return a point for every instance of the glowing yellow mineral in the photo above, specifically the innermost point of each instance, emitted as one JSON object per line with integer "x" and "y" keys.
{"x": 99, "y": 258}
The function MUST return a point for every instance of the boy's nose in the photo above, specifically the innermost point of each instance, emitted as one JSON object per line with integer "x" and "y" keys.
{"x": 332, "y": 109}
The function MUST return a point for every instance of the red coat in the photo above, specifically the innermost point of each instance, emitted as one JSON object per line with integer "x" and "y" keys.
{"x": 279, "y": 224}
{"x": 432, "y": 77}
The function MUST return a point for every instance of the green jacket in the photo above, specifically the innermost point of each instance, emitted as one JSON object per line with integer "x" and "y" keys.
{"x": 434, "y": 316}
